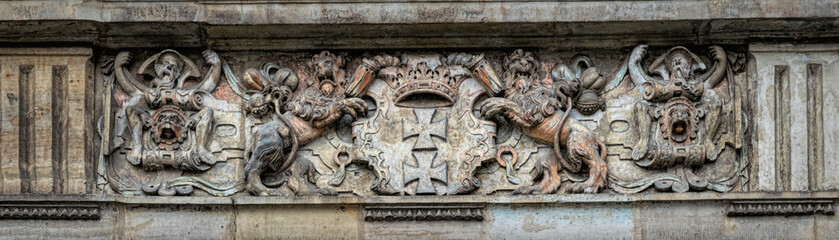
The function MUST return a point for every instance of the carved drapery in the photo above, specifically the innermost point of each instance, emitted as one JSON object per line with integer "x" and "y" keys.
{"x": 422, "y": 123}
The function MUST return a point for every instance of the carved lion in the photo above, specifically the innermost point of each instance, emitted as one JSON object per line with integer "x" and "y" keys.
{"x": 534, "y": 109}
{"x": 293, "y": 119}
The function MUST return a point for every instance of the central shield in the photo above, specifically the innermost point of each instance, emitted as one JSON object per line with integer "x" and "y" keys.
{"x": 423, "y": 136}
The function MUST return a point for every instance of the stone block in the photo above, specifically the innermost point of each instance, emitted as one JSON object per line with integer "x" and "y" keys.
{"x": 179, "y": 222}
{"x": 566, "y": 221}
{"x": 297, "y": 222}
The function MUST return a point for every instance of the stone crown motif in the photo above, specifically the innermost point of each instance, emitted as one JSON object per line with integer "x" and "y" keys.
{"x": 422, "y": 80}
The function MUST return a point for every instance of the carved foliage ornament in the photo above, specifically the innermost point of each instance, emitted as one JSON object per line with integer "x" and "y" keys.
{"x": 442, "y": 124}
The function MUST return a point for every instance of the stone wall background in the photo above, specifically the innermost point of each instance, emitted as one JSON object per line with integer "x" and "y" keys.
{"x": 46, "y": 121}
{"x": 51, "y": 105}
{"x": 795, "y": 124}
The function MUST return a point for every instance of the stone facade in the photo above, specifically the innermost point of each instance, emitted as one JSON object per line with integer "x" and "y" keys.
{"x": 387, "y": 119}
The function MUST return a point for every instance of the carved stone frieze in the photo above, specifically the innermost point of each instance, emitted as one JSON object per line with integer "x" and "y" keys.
{"x": 532, "y": 105}
{"x": 424, "y": 213}
{"x": 50, "y": 212}
{"x": 423, "y": 137}
{"x": 423, "y": 123}
{"x": 780, "y": 208}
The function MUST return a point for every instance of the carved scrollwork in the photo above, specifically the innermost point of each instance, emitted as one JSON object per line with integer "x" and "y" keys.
{"x": 423, "y": 123}
{"x": 683, "y": 121}
{"x": 165, "y": 121}
{"x": 581, "y": 82}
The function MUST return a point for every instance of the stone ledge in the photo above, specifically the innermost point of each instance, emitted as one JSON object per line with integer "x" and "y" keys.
{"x": 377, "y": 12}
{"x": 51, "y": 51}
{"x": 384, "y": 200}
{"x": 554, "y": 199}
{"x": 788, "y": 47}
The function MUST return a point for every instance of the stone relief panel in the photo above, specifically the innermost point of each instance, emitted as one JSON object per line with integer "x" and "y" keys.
{"x": 422, "y": 123}
{"x": 169, "y": 130}
{"x": 675, "y": 126}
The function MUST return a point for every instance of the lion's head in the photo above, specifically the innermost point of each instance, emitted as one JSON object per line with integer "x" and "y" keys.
{"x": 521, "y": 71}
{"x": 327, "y": 74}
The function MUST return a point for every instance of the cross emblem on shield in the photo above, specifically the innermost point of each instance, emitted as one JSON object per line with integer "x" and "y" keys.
{"x": 424, "y": 151}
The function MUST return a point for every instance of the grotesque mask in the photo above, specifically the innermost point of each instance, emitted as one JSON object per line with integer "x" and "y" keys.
{"x": 679, "y": 121}
{"x": 169, "y": 127}
{"x": 167, "y": 68}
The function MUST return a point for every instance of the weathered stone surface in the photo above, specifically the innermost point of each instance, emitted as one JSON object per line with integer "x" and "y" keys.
{"x": 334, "y": 12}
{"x": 796, "y": 117}
{"x": 43, "y": 116}
{"x": 178, "y": 221}
{"x": 741, "y": 121}
{"x": 640, "y": 216}
{"x": 573, "y": 221}
{"x": 426, "y": 229}
{"x": 298, "y": 222}
{"x": 317, "y": 25}
{"x": 657, "y": 220}
{"x": 107, "y": 226}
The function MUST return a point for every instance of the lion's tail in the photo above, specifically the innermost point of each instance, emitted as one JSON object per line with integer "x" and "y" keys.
{"x": 569, "y": 165}
{"x": 295, "y": 143}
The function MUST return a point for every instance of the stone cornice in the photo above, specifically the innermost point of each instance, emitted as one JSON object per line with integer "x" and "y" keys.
{"x": 386, "y": 11}
{"x": 419, "y": 200}
{"x": 418, "y": 24}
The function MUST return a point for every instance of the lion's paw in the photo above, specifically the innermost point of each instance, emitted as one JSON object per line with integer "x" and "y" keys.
{"x": 589, "y": 186}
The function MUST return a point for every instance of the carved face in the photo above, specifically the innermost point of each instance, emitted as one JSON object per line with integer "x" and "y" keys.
{"x": 268, "y": 100}
{"x": 258, "y": 105}
{"x": 169, "y": 127}
{"x": 328, "y": 75}
{"x": 521, "y": 84}
{"x": 678, "y": 122}
{"x": 680, "y": 67}
{"x": 327, "y": 88}
{"x": 167, "y": 68}
{"x": 520, "y": 66}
